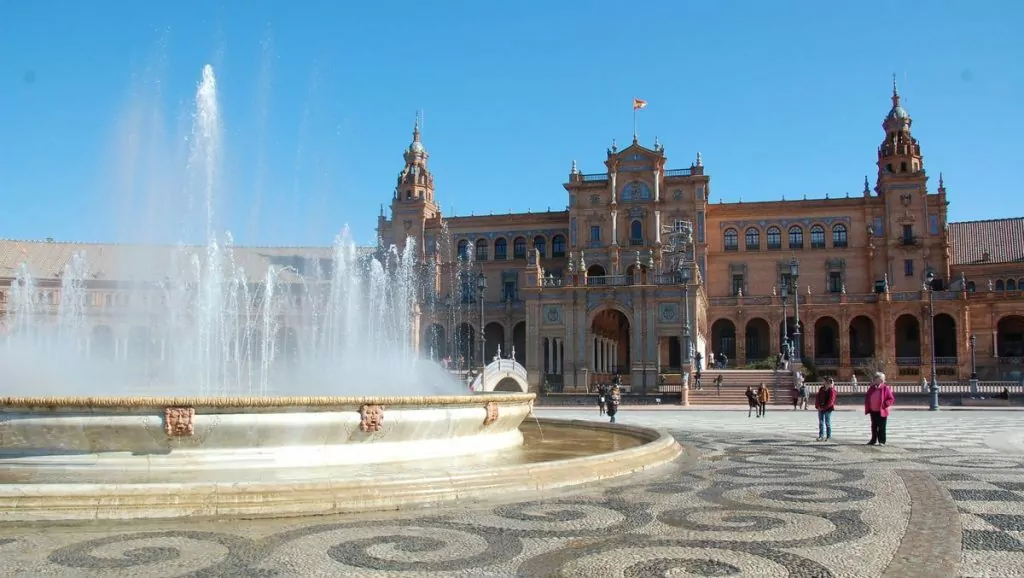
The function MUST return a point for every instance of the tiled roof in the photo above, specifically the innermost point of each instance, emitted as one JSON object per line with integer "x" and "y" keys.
{"x": 1001, "y": 239}
{"x": 115, "y": 262}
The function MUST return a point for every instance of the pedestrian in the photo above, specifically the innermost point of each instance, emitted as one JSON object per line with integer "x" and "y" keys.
{"x": 877, "y": 402}
{"x": 763, "y": 397}
{"x": 696, "y": 379}
{"x": 752, "y": 402}
{"x": 794, "y": 396}
{"x": 802, "y": 390}
{"x": 825, "y": 403}
{"x": 719, "y": 380}
{"x": 601, "y": 394}
{"x": 614, "y": 398}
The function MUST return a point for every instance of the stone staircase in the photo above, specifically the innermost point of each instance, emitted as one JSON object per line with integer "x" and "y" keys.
{"x": 734, "y": 386}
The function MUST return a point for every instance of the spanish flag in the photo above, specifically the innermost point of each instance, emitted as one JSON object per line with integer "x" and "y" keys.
{"x": 638, "y": 104}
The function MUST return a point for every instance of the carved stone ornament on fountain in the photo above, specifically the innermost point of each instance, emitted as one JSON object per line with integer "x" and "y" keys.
{"x": 371, "y": 418}
{"x": 492, "y": 413}
{"x": 178, "y": 421}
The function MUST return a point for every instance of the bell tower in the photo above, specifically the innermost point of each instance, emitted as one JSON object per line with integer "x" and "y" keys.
{"x": 911, "y": 222}
{"x": 413, "y": 201}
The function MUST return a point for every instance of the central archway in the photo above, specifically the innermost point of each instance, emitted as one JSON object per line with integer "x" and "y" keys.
{"x": 826, "y": 338}
{"x": 908, "y": 338}
{"x": 1010, "y": 336}
{"x": 610, "y": 347}
{"x": 758, "y": 340}
{"x": 723, "y": 339}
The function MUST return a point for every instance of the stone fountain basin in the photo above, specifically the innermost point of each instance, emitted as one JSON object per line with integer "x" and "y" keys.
{"x": 90, "y": 434}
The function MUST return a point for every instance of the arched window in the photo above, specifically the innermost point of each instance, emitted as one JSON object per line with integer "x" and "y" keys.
{"x": 839, "y": 239}
{"x": 971, "y": 288}
{"x": 732, "y": 240}
{"x": 481, "y": 249}
{"x": 1000, "y": 286}
{"x": 636, "y": 233}
{"x": 796, "y": 237}
{"x": 817, "y": 237}
{"x": 774, "y": 237}
{"x": 753, "y": 239}
{"x": 463, "y": 249}
{"x": 500, "y": 250}
{"x": 519, "y": 248}
{"x": 558, "y": 246}
{"x": 541, "y": 245}
{"x": 1011, "y": 285}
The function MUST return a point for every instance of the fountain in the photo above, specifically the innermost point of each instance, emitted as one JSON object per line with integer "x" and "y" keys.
{"x": 209, "y": 411}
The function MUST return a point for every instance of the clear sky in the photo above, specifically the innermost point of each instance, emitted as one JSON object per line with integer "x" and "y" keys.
{"x": 317, "y": 100}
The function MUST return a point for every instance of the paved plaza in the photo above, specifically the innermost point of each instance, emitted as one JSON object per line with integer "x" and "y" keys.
{"x": 751, "y": 497}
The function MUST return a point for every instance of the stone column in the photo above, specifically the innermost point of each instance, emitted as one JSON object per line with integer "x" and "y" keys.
{"x": 657, "y": 227}
{"x": 615, "y": 228}
{"x": 657, "y": 185}
{"x": 611, "y": 181}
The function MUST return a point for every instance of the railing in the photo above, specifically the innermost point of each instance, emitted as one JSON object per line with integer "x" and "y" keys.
{"x": 594, "y": 177}
{"x": 908, "y": 361}
{"x": 679, "y": 173}
{"x": 613, "y": 280}
{"x": 552, "y": 282}
{"x": 959, "y": 386}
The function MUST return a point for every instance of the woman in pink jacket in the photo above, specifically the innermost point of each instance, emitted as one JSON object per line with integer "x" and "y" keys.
{"x": 877, "y": 402}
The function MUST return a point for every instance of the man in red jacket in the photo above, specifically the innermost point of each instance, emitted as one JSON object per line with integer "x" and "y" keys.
{"x": 825, "y": 403}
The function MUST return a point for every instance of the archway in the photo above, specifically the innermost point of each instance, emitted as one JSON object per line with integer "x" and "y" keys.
{"x": 787, "y": 331}
{"x": 509, "y": 384}
{"x": 1010, "y": 336}
{"x": 862, "y": 337}
{"x": 519, "y": 342}
{"x": 101, "y": 344}
{"x": 139, "y": 343}
{"x": 609, "y": 347}
{"x": 908, "y": 337}
{"x": 758, "y": 340}
{"x": 494, "y": 336}
{"x": 723, "y": 339}
{"x": 826, "y": 338}
{"x": 435, "y": 342}
{"x": 595, "y": 275}
{"x": 944, "y": 337}
{"x": 465, "y": 340}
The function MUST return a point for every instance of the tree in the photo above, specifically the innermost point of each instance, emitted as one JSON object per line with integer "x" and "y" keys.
{"x": 868, "y": 367}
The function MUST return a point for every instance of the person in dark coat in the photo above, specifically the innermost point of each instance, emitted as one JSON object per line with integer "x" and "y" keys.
{"x": 613, "y": 400}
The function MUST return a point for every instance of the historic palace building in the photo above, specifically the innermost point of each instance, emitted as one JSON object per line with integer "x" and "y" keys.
{"x": 644, "y": 269}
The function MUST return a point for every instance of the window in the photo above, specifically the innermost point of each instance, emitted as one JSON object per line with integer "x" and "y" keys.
{"x": 971, "y": 288}
{"x": 636, "y": 233}
{"x": 481, "y": 250}
{"x": 835, "y": 282}
{"x": 1011, "y": 285}
{"x": 595, "y": 233}
{"x": 774, "y": 238}
{"x": 796, "y": 237}
{"x": 753, "y": 239}
{"x": 817, "y": 237}
{"x": 519, "y": 248}
{"x": 732, "y": 240}
{"x": 999, "y": 286}
{"x": 839, "y": 239}
{"x": 908, "y": 267}
{"x": 908, "y": 234}
{"x": 699, "y": 193}
{"x": 558, "y": 246}
{"x": 463, "y": 249}
{"x": 500, "y": 250}
{"x": 786, "y": 283}
{"x": 737, "y": 284}
{"x": 541, "y": 245}
{"x": 508, "y": 291}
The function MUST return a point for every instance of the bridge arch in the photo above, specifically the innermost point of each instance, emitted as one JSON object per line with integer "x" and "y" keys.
{"x": 502, "y": 375}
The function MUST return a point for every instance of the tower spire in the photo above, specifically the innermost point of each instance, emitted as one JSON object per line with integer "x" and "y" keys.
{"x": 895, "y": 92}
{"x": 416, "y": 128}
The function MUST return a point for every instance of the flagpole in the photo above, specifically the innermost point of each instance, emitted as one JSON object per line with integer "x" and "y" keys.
{"x": 634, "y": 119}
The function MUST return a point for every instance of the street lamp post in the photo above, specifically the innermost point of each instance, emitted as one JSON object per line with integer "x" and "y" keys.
{"x": 785, "y": 317}
{"x": 974, "y": 365}
{"x": 794, "y": 274}
{"x": 933, "y": 404}
{"x": 685, "y": 274}
{"x": 481, "y": 285}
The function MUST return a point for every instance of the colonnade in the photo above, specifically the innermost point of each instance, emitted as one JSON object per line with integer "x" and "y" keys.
{"x": 553, "y": 358}
{"x": 606, "y": 354}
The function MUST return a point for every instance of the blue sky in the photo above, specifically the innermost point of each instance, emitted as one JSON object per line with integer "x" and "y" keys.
{"x": 317, "y": 100}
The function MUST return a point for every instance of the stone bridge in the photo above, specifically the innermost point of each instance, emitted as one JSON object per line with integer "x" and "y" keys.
{"x": 502, "y": 375}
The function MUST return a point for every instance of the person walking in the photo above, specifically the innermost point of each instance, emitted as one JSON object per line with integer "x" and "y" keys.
{"x": 763, "y": 397}
{"x": 825, "y": 403}
{"x": 718, "y": 383}
{"x": 803, "y": 394}
{"x": 602, "y": 393}
{"x": 752, "y": 402}
{"x": 614, "y": 398}
{"x": 877, "y": 402}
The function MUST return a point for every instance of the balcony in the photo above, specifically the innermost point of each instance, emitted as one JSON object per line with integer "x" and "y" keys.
{"x": 908, "y": 241}
{"x": 595, "y": 177}
{"x": 636, "y": 242}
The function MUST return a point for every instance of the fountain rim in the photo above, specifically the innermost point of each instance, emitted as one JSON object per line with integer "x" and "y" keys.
{"x": 241, "y": 402}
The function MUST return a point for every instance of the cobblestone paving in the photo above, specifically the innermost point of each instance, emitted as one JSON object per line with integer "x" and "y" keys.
{"x": 753, "y": 497}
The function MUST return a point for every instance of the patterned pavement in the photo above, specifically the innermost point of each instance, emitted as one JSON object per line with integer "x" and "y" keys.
{"x": 752, "y": 497}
